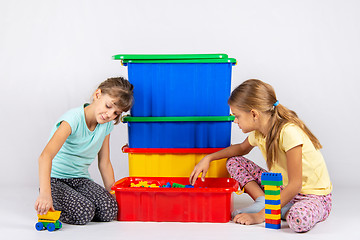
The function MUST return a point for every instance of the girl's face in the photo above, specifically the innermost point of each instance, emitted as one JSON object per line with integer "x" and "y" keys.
{"x": 105, "y": 110}
{"x": 245, "y": 120}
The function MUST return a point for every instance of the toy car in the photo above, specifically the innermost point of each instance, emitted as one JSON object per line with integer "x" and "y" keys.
{"x": 49, "y": 221}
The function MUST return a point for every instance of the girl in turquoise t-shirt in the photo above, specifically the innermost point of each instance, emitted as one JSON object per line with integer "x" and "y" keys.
{"x": 77, "y": 138}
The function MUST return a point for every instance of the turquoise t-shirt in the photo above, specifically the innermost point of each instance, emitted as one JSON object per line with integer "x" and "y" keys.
{"x": 80, "y": 148}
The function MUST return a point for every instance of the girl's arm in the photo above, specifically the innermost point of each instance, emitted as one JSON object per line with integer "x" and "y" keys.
{"x": 44, "y": 201}
{"x": 105, "y": 167}
{"x": 233, "y": 150}
{"x": 294, "y": 166}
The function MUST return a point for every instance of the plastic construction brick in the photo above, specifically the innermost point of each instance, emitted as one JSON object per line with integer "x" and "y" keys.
{"x": 273, "y": 207}
{"x": 272, "y": 188}
{"x": 273, "y": 226}
{"x": 272, "y": 197}
{"x": 272, "y": 192}
{"x": 177, "y": 185}
{"x": 273, "y": 216}
{"x": 273, "y": 179}
{"x": 167, "y": 185}
{"x": 273, "y": 221}
{"x": 275, "y": 211}
{"x": 271, "y": 183}
{"x": 272, "y": 211}
{"x": 271, "y": 176}
{"x": 272, "y": 202}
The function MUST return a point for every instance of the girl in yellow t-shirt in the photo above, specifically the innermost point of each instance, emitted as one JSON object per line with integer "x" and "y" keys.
{"x": 289, "y": 148}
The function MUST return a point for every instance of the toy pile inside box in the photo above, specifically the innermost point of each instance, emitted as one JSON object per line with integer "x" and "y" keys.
{"x": 180, "y": 114}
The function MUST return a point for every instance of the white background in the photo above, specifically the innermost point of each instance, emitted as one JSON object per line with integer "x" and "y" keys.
{"x": 53, "y": 54}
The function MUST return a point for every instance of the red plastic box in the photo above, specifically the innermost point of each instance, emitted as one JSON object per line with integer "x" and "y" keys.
{"x": 209, "y": 201}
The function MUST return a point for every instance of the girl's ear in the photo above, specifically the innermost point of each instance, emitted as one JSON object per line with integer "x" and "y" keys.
{"x": 97, "y": 94}
{"x": 255, "y": 114}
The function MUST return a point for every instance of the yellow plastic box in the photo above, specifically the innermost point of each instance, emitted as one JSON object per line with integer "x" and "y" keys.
{"x": 165, "y": 162}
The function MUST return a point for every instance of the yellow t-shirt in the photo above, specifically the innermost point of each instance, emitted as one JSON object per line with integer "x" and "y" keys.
{"x": 315, "y": 176}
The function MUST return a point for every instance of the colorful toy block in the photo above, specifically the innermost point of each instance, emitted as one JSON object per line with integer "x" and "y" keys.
{"x": 273, "y": 197}
{"x": 271, "y": 211}
{"x": 167, "y": 185}
{"x": 177, "y": 185}
{"x": 272, "y": 221}
{"x": 271, "y": 177}
{"x": 272, "y": 207}
{"x": 272, "y": 192}
{"x": 144, "y": 184}
{"x": 271, "y": 188}
{"x": 273, "y": 226}
{"x": 272, "y": 183}
{"x": 272, "y": 202}
{"x": 272, "y": 216}
{"x": 49, "y": 221}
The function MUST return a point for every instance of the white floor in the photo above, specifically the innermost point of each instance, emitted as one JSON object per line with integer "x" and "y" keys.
{"x": 17, "y": 220}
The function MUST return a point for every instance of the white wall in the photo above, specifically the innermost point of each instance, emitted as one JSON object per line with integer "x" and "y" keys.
{"x": 53, "y": 54}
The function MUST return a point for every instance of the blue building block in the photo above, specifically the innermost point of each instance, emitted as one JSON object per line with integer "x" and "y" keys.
{"x": 267, "y": 211}
{"x": 272, "y": 202}
{"x": 271, "y": 177}
{"x": 168, "y": 185}
{"x": 273, "y": 226}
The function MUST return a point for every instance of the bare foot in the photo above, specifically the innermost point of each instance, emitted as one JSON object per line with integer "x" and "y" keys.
{"x": 249, "y": 218}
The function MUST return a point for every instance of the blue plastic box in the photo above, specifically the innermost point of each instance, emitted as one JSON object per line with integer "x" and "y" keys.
{"x": 179, "y": 85}
{"x": 179, "y": 134}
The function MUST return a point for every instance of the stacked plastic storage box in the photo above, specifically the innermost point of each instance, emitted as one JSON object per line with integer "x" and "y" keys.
{"x": 180, "y": 112}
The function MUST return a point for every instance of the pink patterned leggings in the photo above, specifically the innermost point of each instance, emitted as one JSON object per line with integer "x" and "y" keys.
{"x": 307, "y": 209}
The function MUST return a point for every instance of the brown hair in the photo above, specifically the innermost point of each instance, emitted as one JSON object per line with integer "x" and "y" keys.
{"x": 255, "y": 94}
{"x": 120, "y": 89}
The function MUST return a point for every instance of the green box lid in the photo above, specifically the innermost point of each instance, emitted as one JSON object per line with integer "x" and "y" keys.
{"x": 174, "y": 58}
{"x": 180, "y": 119}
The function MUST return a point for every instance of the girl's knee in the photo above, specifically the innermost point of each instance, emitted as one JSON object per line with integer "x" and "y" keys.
{"x": 300, "y": 219}
{"x": 79, "y": 214}
{"x": 107, "y": 210}
{"x": 233, "y": 162}
{"x": 112, "y": 211}
{"x": 230, "y": 161}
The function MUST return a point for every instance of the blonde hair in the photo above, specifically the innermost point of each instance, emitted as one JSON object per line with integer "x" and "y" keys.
{"x": 255, "y": 94}
{"x": 120, "y": 89}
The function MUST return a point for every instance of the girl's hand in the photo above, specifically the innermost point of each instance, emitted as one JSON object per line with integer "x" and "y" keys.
{"x": 201, "y": 167}
{"x": 43, "y": 204}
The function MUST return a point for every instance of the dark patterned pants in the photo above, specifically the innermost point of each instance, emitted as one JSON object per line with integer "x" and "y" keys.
{"x": 81, "y": 200}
